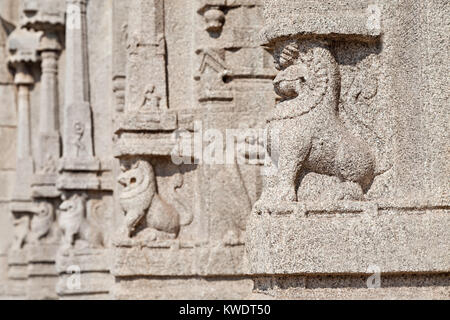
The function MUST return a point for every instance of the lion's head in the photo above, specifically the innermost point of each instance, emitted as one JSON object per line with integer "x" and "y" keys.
{"x": 308, "y": 71}
{"x": 139, "y": 186}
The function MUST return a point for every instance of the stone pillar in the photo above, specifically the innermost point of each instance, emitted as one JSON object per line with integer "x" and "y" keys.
{"x": 119, "y": 50}
{"x": 85, "y": 208}
{"x": 8, "y": 124}
{"x": 23, "y": 81}
{"x": 49, "y": 111}
{"x": 42, "y": 252}
{"x": 78, "y": 163}
{"x": 17, "y": 261}
{"x": 47, "y": 18}
{"x": 22, "y": 46}
{"x": 347, "y": 150}
{"x": 204, "y": 80}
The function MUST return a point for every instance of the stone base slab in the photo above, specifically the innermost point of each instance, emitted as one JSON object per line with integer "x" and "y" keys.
{"x": 345, "y": 238}
{"x": 341, "y": 287}
{"x": 42, "y": 253}
{"x": 186, "y": 260}
{"x": 42, "y": 287}
{"x": 84, "y": 284}
{"x": 148, "y": 121}
{"x": 84, "y": 274}
{"x": 78, "y": 181}
{"x": 88, "y": 260}
{"x": 195, "y": 288}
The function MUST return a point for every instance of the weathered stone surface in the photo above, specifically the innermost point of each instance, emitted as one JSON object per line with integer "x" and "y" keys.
{"x": 177, "y": 289}
{"x": 8, "y": 155}
{"x": 7, "y": 185}
{"x": 212, "y": 149}
{"x": 398, "y": 241}
{"x": 335, "y": 200}
{"x": 8, "y": 116}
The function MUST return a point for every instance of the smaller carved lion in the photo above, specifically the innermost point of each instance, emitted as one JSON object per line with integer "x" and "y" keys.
{"x": 139, "y": 199}
{"x": 42, "y": 222}
{"x": 75, "y": 225}
{"x": 21, "y": 227}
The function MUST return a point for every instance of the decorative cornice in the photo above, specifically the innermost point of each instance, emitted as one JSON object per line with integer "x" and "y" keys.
{"x": 43, "y": 15}
{"x": 23, "y": 46}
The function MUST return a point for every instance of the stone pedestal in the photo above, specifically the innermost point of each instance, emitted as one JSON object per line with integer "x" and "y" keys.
{"x": 42, "y": 274}
{"x": 17, "y": 274}
{"x": 343, "y": 214}
{"x": 84, "y": 274}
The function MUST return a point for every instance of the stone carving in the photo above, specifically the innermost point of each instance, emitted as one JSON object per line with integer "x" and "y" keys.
{"x": 75, "y": 225}
{"x": 211, "y": 76}
{"x": 143, "y": 205}
{"x": 21, "y": 228}
{"x": 359, "y": 110}
{"x": 78, "y": 145}
{"x": 150, "y": 100}
{"x": 43, "y": 14}
{"x": 50, "y": 165}
{"x": 78, "y": 139}
{"x": 214, "y": 19}
{"x": 305, "y": 132}
{"x": 358, "y": 135}
{"x": 42, "y": 222}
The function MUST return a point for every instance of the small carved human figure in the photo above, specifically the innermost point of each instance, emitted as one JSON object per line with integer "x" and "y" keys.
{"x": 79, "y": 129}
{"x": 151, "y": 100}
{"x": 75, "y": 225}
{"x": 145, "y": 208}
{"x": 305, "y": 132}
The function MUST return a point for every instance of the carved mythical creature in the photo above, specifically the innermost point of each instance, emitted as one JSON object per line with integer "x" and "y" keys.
{"x": 144, "y": 206}
{"x": 75, "y": 225}
{"x": 305, "y": 133}
{"x": 42, "y": 222}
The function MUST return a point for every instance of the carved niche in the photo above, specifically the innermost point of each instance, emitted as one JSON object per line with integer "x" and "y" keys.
{"x": 306, "y": 135}
{"x": 228, "y": 51}
{"x": 328, "y": 137}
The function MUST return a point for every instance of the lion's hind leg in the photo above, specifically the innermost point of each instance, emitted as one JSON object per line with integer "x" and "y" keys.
{"x": 293, "y": 152}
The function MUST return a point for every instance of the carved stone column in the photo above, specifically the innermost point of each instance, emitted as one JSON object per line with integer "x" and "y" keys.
{"x": 49, "y": 138}
{"x": 22, "y": 46}
{"x": 86, "y": 191}
{"x": 184, "y": 221}
{"x": 337, "y": 200}
{"x": 47, "y": 17}
{"x": 78, "y": 164}
{"x": 120, "y": 38}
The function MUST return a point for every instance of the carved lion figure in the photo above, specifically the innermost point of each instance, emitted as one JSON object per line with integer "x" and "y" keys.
{"x": 41, "y": 223}
{"x": 75, "y": 225}
{"x": 144, "y": 207}
{"x": 21, "y": 227}
{"x": 305, "y": 133}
